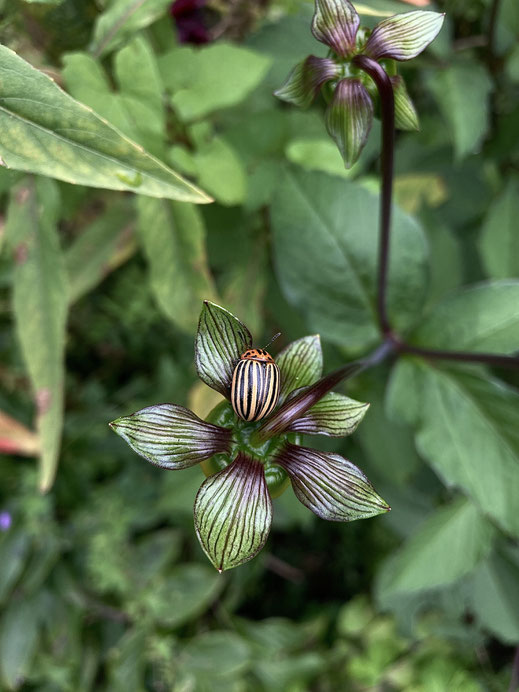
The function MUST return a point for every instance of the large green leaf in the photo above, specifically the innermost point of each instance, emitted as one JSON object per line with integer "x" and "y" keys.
{"x": 121, "y": 19}
{"x": 467, "y": 430}
{"x": 499, "y": 241}
{"x": 445, "y": 547}
{"x": 462, "y": 92}
{"x": 484, "y": 317}
{"x": 216, "y": 654}
{"x": 172, "y": 236}
{"x": 325, "y": 241}
{"x": 44, "y": 130}
{"x": 40, "y": 307}
{"x": 206, "y": 79}
{"x": 18, "y": 641}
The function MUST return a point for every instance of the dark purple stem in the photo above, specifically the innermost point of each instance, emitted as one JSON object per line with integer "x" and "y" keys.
{"x": 387, "y": 105}
{"x": 492, "y": 359}
{"x": 514, "y": 682}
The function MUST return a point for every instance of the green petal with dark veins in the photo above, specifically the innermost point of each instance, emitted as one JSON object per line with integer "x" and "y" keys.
{"x": 331, "y": 486}
{"x": 406, "y": 117}
{"x": 306, "y": 79}
{"x": 220, "y": 341}
{"x": 233, "y": 513}
{"x": 404, "y": 36}
{"x": 335, "y": 23}
{"x": 300, "y": 364}
{"x": 349, "y": 117}
{"x": 171, "y": 436}
{"x": 334, "y": 415}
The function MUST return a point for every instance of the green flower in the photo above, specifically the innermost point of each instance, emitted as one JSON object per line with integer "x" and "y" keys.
{"x": 248, "y": 463}
{"x": 348, "y": 88}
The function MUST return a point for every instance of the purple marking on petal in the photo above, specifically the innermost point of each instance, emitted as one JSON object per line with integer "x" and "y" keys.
{"x": 335, "y": 23}
{"x": 349, "y": 117}
{"x": 306, "y": 79}
{"x": 404, "y": 36}
{"x": 5, "y": 521}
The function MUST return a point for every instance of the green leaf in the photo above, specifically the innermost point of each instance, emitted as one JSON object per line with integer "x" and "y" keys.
{"x": 171, "y": 436}
{"x": 335, "y": 23}
{"x": 467, "y": 430}
{"x": 185, "y": 593}
{"x": 331, "y": 486}
{"x": 43, "y": 130}
{"x": 206, "y": 79}
{"x": 446, "y": 546}
{"x": 216, "y": 654}
{"x": 122, "y": 19}
{"x": 335, "y": 415}
{"x": 245, "y": 284}
{"x": 404, "y": 36}
{"x": 101, "y": 247}
{"x": 233, "y": 513}
{"x": 18, "y": 641}
{"x": 495, "y": 594}
{"x": 220, "y": 341}
{"x": 40, "y": 307}
{"x": 306, "y": 79}
{"x": 325, "y": 222}
{"x": 15, "y": 547}
{"x": 348, "y": 118}
{"x": 462, "y": 92}
{"x": 172, "y": 236}
{"x": 484, "y": 317}
{"x": 300, "y": 364}
{"x": 499, "y": 242}
{"x": 221, "y": 171}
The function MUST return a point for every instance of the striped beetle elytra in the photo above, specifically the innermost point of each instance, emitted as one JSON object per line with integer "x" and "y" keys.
{"x": 255, "y": 385}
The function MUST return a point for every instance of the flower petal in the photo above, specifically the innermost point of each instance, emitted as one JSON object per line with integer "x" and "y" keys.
{"x": 334, "y": 415}
{"x": 406, "y": 117}
{"x": 233, "y": 513}
{"x": 349, "y": 117}
{"x": 331, "y": 486}
{"x": 171, "y": 436}
{"x": 220, "y": 341}
{"x": 294, "y": 408}
{"x": 404, "y": 36}
{"x": 300, "y": 364}
{"x": 335, "y": 23}
{"x": 306, "y": 79}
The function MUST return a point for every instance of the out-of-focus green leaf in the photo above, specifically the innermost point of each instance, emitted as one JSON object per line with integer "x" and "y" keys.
{"x": 499, "y": 243}
{"x": 18, "y": 641}
{"x": 172, "y": 236}
{"x": 495, "y": 594}
{"x": 40, "y": 307}
{"x": 14, "y": 553}
{"x": 44, "y": 130}
{"x": 412, "y": 190}
{"x": 126, "y": 663}
{"x": 467, "y": 431}
{"x": 206, "y": 79}
{"x": 103, "y": 246}
{"x": 121, "y": 19}
{"x": 221, "y": 172}
{"x": 462, "y": 92}
{"x": 448, "y": 545}
{"x": 217, "y": 654}
{"x": 244, "y": 288}
{"x": 325, "y": 242}
{"x": 484, "y": 317}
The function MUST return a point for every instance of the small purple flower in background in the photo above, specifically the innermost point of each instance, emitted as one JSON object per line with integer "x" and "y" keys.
{"x": 190, "y": 20}
{"x": 349, "y": 89}
{"x": 5, "y": 521}
{"x": 250, "y": 462}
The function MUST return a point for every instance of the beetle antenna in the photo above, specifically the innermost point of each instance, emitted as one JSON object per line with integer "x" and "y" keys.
{"x": 273, "y": 339}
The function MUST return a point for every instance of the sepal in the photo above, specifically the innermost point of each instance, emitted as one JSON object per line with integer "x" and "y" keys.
{"x": 335, "y": 23}
{"x": 404, "y": 36}
{"x": 220, "y": 341}
{"x": 349, "y": 117}
{"x": 306, "y": 79}
{"x": 406, "y": 117}
{"x": 233, "y": 513}
{"x": 171, "y": 436}
{"x": 300, "y": 364}
{"x": 334, "y": 415}
{"x": 329, "y": 485}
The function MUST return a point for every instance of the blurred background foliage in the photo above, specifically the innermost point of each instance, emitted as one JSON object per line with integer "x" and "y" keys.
{"x": 102, "y": 583}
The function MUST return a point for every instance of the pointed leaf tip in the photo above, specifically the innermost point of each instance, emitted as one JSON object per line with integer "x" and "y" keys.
{"x": 348, "y": 119}
{"x": 233, "y": 513}
{"x": 335, "y": 23}
{"x": 404, "y": 36}
{"x": 305, "y": 80}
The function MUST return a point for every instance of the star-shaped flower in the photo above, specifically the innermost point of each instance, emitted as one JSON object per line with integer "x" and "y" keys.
{"x": 348, "y": 88}
{"x": 249, "y": 462}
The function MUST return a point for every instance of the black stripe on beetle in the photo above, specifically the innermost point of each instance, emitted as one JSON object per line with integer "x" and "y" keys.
{"x": 255, "y": 385}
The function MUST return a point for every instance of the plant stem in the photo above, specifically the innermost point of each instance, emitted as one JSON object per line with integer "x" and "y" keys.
{"x": 387, "y": 106}
{"x": 494, "y": 12}
{"x": 492, "y": 359}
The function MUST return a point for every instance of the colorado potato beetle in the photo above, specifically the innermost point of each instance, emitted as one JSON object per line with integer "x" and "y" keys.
{"x": 255, "y": 385}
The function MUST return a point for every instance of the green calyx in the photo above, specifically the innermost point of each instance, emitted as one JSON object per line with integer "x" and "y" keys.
{"x": 244, "y": 439}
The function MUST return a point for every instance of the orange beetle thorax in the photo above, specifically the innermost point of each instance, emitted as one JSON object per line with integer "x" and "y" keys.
{"x": 257, "y": 354}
